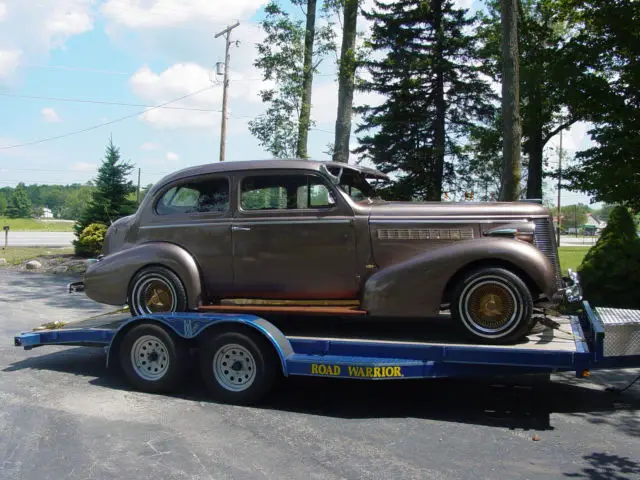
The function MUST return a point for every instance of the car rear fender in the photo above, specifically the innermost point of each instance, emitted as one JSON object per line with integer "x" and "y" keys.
{"x": 416, "y": 287}
{"x": 108, "y": 280}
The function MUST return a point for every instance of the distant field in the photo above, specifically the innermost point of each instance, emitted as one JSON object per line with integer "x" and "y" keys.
{"x": 33, "y": 225}
{"x": 18, "y": 255}
{"x": 571, "y": 257}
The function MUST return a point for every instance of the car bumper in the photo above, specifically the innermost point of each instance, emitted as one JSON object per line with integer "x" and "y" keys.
{"x": 571, "y": 291}
{"x": 74, "y": 287}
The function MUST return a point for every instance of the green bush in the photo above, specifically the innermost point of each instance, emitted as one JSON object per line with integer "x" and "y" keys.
{"x": 610, "y": 272}
{"x": 89, "y": 244}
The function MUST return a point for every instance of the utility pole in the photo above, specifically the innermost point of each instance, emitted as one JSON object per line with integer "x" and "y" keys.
{"x": 223, "y": 128}
{"x": 559, "y": 184}
{"x": 138, "y": 191}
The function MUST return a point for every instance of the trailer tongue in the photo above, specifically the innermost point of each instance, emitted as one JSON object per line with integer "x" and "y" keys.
{"x": 241, "y": 355}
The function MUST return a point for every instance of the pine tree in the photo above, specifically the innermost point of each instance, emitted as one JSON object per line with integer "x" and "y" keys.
{"x": 109, "y": 198}
{"x": 426, "y": 54}
{"x": 19, "y": 205}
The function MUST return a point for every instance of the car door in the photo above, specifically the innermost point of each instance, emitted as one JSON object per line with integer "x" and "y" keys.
{"x": 195, "y": 213}
{"x": 293, "y": 238}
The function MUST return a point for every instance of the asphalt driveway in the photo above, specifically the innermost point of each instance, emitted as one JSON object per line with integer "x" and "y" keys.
{"x": 64, "y": 416}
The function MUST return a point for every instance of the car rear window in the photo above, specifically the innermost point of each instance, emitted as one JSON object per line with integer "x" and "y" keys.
{"x": 201, "y": 196}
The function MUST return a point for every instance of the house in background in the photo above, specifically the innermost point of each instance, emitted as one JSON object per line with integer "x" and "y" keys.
{"x": 47, "y": 213}
{"x": 594, "y": 224}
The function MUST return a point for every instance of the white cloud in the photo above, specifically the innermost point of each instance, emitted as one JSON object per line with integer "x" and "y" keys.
{"x": 9, "y": 62}
{"x": 137, "y": 14}
{"x": 34, "y": 30}
{"x": 149, "y": 146}
{"x": 173, "y": 157}
{"x": 83, "y": 167}
{"x": 185, "y": 78}
{"x": 49, "y": 115}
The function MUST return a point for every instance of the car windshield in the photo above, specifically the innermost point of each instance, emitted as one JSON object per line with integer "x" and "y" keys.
{"x": 356, "y": 184}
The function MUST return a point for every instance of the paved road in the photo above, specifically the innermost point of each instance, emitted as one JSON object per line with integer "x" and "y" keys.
{"x": 571, "y": 241}
{"x": 62, "y": 415}
{"x": 39, "y": 239}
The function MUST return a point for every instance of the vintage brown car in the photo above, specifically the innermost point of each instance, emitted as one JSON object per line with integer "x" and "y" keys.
{"x": 317, "y": 231}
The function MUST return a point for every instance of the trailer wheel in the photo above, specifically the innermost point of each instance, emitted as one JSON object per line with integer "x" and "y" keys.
{"x": 493, "y": 305}
{"x": 238, "y": 368}
{"x": 153, "y": 360}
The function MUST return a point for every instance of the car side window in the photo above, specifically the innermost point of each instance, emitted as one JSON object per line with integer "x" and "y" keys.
{"x": 199, "y": 196}
{"x": 284, "y": 192}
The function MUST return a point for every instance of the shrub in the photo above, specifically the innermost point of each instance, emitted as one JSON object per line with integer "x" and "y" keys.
{"x": 610, "y": 272}
{"x": 89, "y": 243}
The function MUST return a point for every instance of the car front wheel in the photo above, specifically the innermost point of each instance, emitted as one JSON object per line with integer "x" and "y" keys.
{"x": 493, "y": 305}
{"x": 156, "y": 290}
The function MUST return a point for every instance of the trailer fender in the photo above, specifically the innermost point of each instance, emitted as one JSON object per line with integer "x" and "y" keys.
{"x": 415, "y": 288}
{"x": 191, "y": 325}
{"x": 107, "y": 281}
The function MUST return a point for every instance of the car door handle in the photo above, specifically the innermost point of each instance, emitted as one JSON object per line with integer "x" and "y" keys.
{"x": 240, "y": 229}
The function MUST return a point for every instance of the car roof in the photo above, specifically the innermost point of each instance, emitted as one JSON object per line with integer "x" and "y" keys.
{"x": 244, "y": 165}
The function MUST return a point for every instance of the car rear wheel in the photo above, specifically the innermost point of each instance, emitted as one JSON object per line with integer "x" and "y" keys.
{"x": 493, "y": 305}
{"x": 156, "y": 290}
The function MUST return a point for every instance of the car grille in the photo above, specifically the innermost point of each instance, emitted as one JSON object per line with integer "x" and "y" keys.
{"x": 545, "y": 240}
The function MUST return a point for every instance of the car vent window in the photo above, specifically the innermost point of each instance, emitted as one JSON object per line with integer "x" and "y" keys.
{"x": 211, "y": 195}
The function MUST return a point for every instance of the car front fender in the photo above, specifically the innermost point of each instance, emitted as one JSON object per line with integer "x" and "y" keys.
{"x": 416, "y": 287}
{"x": 107, "y": 281}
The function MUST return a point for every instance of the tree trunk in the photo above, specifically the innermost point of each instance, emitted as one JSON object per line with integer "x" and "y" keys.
{"x": 307, "y": 81}
{"x": 511, "y": 168}
{"x": 435, "y": 193}
{"x": 346, "y": 80}
{"x": 534, "y": 175}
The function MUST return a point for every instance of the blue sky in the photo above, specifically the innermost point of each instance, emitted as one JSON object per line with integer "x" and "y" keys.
{"x": 140, "y": 52}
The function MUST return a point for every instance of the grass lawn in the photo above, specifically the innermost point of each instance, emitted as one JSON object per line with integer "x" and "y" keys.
{"x": 17, "y": 255}
{"x": 33, "y": 225}
{"x": 571, "y": 257}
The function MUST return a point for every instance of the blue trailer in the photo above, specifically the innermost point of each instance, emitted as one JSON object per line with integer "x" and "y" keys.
{"x": 242, "y": 356}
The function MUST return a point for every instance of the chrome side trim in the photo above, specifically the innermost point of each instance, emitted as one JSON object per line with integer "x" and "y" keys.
{"x": 290, "y": 221}
{"x": 377, "y": 221}
{"x": 186, "y": 225}
{"x": 425, "y": 233}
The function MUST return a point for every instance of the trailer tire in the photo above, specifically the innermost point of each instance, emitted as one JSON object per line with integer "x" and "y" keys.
{"x": 238, "y": 368}
{"x": 493, "y": 305}
{"x": 153, "y": 359}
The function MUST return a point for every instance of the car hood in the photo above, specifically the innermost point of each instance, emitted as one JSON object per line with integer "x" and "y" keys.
{"x": 416, "y": 210}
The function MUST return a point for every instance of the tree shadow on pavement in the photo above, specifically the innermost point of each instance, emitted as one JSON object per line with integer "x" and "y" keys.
{"x": 603, "y": 466}
{"x": 487, "y": 402}
{"x": 49, "y": 290}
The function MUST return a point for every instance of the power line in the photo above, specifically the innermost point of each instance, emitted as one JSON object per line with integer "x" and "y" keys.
{"x": 102, "y": 102}
{"x": 57, "y": 137}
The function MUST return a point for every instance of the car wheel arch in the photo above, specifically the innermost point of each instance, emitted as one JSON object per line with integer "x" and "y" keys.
{"x": 466, "y": 269}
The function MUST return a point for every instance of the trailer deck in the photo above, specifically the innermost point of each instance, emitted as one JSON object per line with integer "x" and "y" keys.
{"x": 594, "y": 339}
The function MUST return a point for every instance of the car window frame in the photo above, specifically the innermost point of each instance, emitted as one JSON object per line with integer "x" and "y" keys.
{"x": 192, "y": 179}
{"x": 339, "y": 207}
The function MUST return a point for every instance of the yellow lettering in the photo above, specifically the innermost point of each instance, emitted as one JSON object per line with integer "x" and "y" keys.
{"x": 314, "y": 368}
{"x": 353, "y": 371}
{"x": 376, "y": 372}
{"x": 388, "y": 372}
{"x": 397, "y": 372}
{"x": 369, "y": 372}
{"x": 322, "y": 369}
